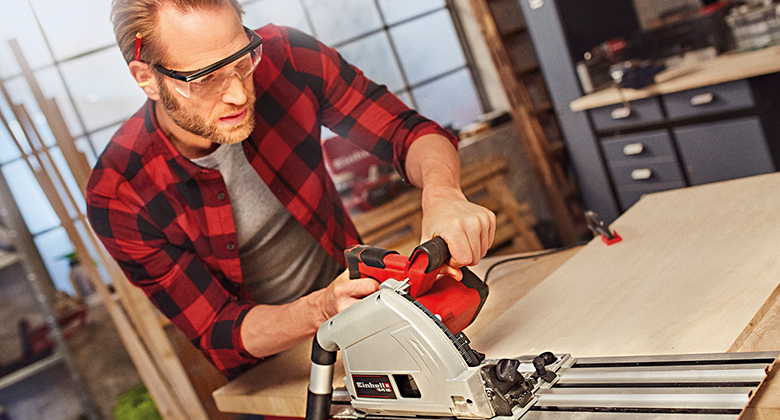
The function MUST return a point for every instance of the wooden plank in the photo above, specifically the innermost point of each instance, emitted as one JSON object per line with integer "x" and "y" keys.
{"x": 763, "y": 334}
{"x": 721, "y": 69}
{"x": 160, "y": 389}
{"x": 532, "y": 135}
{"x": 693, "y": 269}
{"x": 146, "y": 321}
{"x": 76, "y": 160}
{"x": 202, "y": 374}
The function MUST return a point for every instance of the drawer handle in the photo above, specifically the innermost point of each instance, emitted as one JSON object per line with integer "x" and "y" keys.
{"x": 702, "y": 99}
{"x": 620, "y": 113}
{"x": 633, "y": 149}
{"x": 641, "y": 174}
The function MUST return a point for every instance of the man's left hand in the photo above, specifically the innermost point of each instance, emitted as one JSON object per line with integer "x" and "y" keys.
{"x": 468, "y": 228}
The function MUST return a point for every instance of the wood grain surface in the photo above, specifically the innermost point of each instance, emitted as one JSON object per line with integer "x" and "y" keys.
{"x": 697, "y": 272}
{"x": 693, "y": 270}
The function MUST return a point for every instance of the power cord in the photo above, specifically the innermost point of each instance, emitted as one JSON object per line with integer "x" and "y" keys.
{"x": 525, "y": 257}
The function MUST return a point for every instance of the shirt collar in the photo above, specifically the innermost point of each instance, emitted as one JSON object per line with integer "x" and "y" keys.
{"x": 180, "y": 165}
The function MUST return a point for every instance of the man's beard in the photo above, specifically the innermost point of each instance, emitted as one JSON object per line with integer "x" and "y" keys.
{"x": 208, "y": 128}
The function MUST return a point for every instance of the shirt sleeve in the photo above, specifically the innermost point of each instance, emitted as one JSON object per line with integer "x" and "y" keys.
{"x": 172, "y": 276}
{"x": 355, "y": 107}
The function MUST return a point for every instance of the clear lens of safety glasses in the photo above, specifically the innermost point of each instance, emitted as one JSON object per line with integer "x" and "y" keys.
{"x": 213, "y": 79}
{"x": 218, "y": 81}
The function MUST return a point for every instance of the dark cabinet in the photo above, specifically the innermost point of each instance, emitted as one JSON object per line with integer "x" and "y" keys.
{"x": 710, "y": 132}
{"x": 724, "y": 150}
{"x": 642, "y": 163}
{"x": 684, "y": 138}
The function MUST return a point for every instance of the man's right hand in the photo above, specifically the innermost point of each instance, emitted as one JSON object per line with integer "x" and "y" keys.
{"x": 269, "y": 329}
{"x": 344, "y": 292}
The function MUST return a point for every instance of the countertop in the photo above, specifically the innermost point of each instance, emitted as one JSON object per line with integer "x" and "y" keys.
{"x": 724, "y": 68}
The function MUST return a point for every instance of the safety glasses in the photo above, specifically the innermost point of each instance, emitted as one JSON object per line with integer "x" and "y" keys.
{"x": 214, "y": 79}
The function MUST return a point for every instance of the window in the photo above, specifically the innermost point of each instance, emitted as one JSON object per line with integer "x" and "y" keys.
{"x": 412, "y": 46}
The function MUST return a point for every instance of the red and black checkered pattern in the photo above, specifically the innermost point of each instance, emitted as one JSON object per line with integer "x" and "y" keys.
{"x": 168, "y": 222}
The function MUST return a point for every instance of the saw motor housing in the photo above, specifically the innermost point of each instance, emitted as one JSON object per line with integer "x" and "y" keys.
{"x": 398, "y": 354}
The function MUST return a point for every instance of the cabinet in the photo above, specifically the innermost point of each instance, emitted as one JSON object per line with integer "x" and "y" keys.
{"x": 642, "y": 163}
{"x": 691, "y": 137}
{"x": 724, "y": 150}
{"x": 561, "y": 30}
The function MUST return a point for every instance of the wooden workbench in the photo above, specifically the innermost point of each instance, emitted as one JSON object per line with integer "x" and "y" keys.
{"x": 697, "y": 271}
{"x": 721, "y": 69}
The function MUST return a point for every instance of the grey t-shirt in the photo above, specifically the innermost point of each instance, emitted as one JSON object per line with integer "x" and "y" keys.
{"x": 280, "y": 260}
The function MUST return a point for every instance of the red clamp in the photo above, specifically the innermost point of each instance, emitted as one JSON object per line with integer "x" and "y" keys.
{"x": 613, "y": 240}
{"x": 596, "y": 225}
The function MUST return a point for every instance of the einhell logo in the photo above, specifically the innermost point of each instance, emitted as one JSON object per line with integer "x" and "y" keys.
{"x": 373, "y": 386}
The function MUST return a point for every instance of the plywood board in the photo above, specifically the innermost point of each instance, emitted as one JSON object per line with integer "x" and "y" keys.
{"x": 694, "y": 268}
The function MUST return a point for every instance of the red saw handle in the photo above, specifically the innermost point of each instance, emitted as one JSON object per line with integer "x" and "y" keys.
{"x": 456, "y": 302}
{"x": 421, "y": 268}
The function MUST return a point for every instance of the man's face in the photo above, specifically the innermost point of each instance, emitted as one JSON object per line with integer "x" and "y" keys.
{"x": 214, "y": 125}
{"x": 193, "y": 40}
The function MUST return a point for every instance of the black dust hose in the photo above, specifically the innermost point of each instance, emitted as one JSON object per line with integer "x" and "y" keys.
{"x": 320, "y": 382}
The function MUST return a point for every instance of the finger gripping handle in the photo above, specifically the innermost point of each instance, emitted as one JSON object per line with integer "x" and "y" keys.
{"x": 369, "y": 256}
{"x": 437, "y": 251}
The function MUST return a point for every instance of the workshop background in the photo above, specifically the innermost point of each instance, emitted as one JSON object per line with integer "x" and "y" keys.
{"x": 478, "y": 67}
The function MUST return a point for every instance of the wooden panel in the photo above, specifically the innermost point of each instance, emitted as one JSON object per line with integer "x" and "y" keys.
{"x": 694, "y": 268}
{"x": 697, "y": 271}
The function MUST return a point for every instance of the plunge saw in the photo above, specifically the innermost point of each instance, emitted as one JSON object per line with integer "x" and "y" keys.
{"x": 405, "y": 355}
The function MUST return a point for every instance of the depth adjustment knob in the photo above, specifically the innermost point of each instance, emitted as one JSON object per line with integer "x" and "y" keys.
{"x": 541, "y": 371}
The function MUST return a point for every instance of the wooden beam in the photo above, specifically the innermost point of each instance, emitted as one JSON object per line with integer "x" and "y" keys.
{"x": 165, "y": 399}
{"x": 76, "y": 160}
{"x": 532, "y": 134}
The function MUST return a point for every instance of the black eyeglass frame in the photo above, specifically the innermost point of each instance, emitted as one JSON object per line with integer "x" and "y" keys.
{"x": 254, "y": 42}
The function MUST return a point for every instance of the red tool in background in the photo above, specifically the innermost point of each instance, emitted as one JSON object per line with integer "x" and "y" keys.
{"x": 456, "y": 302}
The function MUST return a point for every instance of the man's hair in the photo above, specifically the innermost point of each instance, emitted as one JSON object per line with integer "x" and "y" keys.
{"x": 133, "y": 16}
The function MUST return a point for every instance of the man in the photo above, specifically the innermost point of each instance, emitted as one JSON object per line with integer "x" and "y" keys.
{"x": 214, "y": 198}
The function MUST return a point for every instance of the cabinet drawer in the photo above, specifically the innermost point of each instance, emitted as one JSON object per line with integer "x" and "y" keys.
{"x": 723, "y": 150}
{"x": 628, "y": 195}
{"x": 652, "y": 144}
{"x": 647, "y": 172}
{"x": 643, "y": 111}
{"x": 724, "y": 97}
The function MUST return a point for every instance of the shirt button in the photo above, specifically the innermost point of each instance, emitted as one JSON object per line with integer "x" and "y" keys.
{"x": 221, "y": 196}
{"x": 231, "y": 246}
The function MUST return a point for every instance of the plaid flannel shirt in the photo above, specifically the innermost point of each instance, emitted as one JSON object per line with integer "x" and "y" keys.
{"x": 168, "y": 222}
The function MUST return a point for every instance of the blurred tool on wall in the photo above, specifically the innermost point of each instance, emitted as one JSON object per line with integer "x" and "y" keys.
{"x": 677, "y": 36}
{"x": 755, "y": 24}
{"x": 362, "y": 180}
